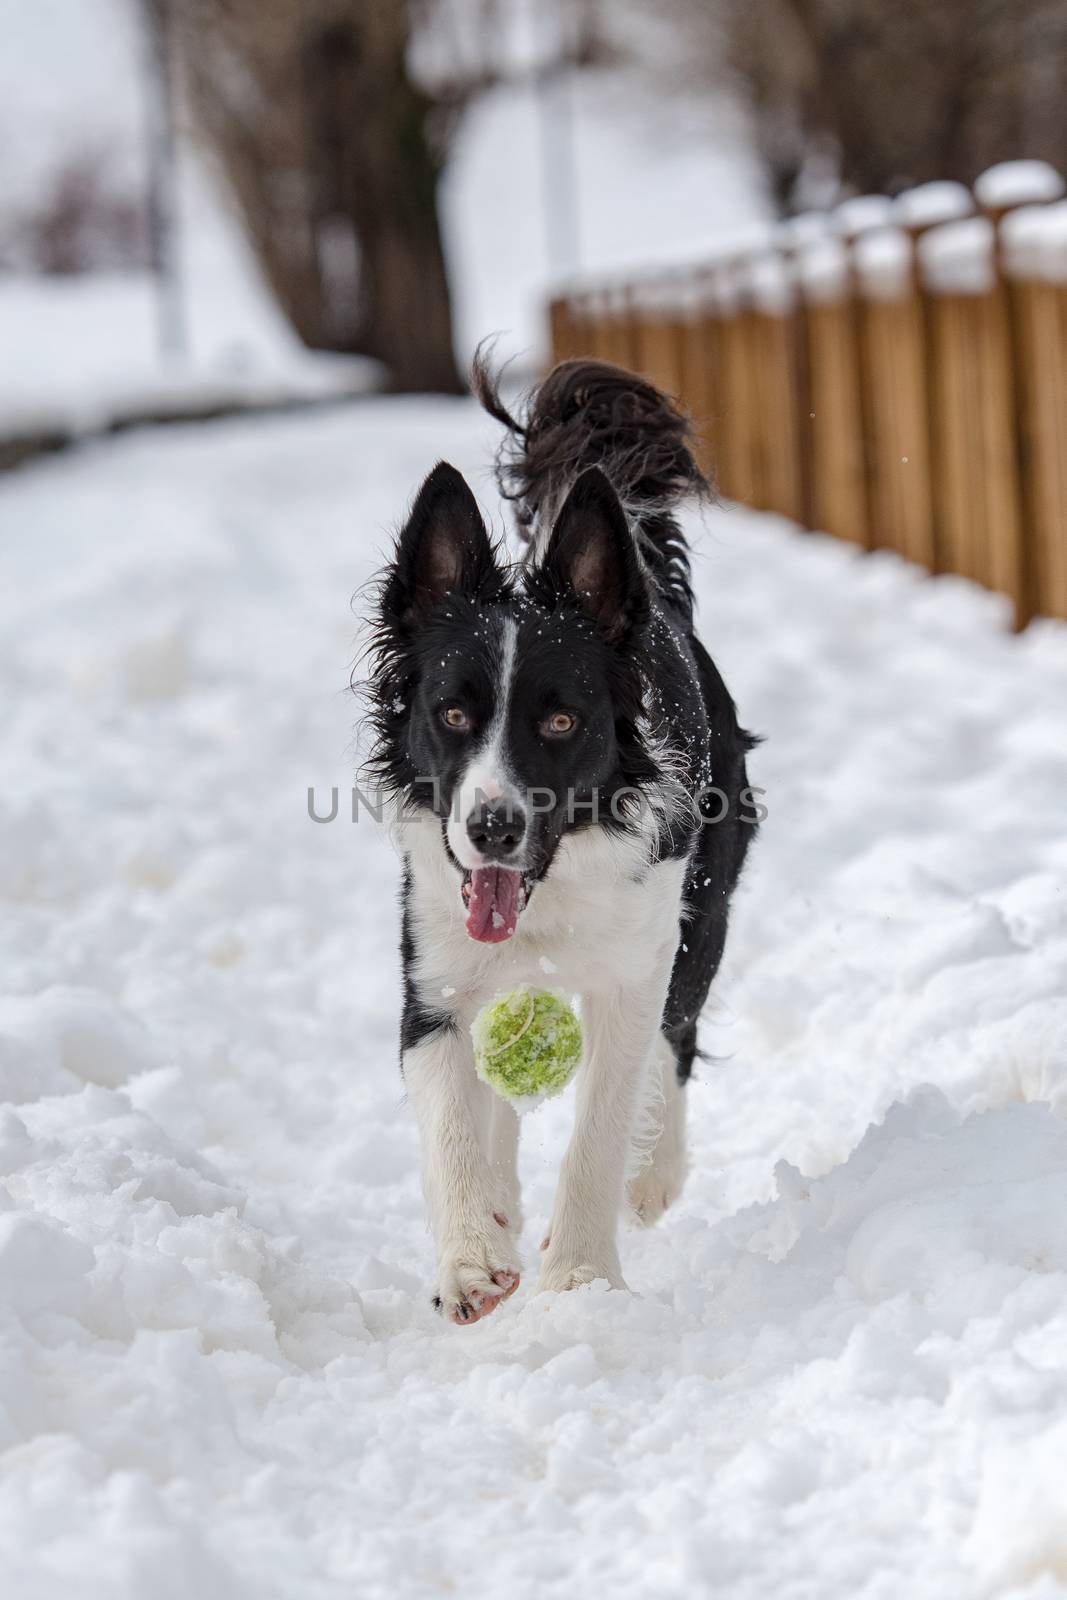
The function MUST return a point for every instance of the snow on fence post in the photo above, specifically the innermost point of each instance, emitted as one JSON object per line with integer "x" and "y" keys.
{"x": 895, "y": 374}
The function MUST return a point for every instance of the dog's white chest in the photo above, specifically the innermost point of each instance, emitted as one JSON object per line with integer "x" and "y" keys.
{"x": 598, "y": 921}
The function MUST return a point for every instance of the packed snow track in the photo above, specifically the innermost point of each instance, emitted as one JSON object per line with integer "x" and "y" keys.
{"x": 842, "y": 1370}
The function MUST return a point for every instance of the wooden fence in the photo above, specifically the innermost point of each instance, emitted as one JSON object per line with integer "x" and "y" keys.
{"x": 894, "y": 374}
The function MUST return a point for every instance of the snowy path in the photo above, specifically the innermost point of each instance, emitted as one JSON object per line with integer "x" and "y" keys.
{"x": 219, "y": 1372}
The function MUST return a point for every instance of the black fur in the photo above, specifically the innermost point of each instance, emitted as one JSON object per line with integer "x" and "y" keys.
{"x": 586, "y": 414}
{"x": 592, "y": 414}
{"x": 444, "y": 517}
{"x": 603, "y": 625}
{"x": 417, "y": 1020}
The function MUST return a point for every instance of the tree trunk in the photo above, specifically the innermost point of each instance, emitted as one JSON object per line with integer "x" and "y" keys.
{"x": 328, "y": 146}
{"x": 369, "y": 134}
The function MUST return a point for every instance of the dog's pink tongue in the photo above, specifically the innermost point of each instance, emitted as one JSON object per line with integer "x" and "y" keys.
{"x": 494, "y": 904}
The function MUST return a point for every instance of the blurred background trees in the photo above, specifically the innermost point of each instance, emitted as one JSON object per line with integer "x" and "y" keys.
{"x": 334, "y": 120}
{"x": 871, "y": 96}
{"x": 340, "y": 125}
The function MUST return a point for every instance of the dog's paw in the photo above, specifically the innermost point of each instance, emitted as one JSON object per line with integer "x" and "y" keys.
{"x": 561, "y": 1271}
{"x": 655, "y": 1189}
{"x": 474, "y": 1278}
{"x": 659, "y": 1181}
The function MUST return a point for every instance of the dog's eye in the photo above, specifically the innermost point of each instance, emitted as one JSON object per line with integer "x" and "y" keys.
{"x": 559, "y": 724}
{"x": 455, "y": 717}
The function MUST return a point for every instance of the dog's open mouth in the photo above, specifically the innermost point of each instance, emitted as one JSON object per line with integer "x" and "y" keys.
{"x": 494, "y": 897}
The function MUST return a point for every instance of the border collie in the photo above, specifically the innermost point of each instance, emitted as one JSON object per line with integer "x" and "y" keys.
{"x": 573, "y": 798}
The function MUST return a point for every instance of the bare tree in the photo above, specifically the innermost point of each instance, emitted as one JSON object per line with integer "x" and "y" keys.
{"x": 334, "y": 119}
{"x": 880, "y": 95}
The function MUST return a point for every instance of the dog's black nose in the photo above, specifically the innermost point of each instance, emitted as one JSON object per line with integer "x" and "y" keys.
{"x": 496, "y": 829}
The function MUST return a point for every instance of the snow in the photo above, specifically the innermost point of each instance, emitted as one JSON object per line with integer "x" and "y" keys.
{"x": 1017, "y": 183}
{"x": 654, "y": 184}
{"x": 770, "y": 284}
{"x": 931, "y": 203}
{"x": 823, "y": 269}
{"x": 957, "y": 258}
{"x": 862, "y": 212}
{"x": 884, "y": 262}
{"x": 70, "y": 85}
{"x": 841, "y": 1370}
{"x": 79, "y": 350}
{"x": 1035, "y": 242}
{"x": 807, "y": 227}
{"x": 83, "y": 348}
{"x": 651, "y": 189}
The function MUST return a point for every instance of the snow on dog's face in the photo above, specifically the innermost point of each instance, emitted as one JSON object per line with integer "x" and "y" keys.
{"x": 507, "y": 700}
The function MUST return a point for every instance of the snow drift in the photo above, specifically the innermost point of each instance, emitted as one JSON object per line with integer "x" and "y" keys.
{"x": 842, "y": 1371}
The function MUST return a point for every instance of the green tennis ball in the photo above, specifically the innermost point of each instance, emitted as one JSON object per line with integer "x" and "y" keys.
{"x": 527, "y": 1045}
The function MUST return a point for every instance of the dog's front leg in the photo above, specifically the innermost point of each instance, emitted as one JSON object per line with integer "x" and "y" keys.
{"x": 477, "y": 1262}
{"x": 621, "y": 1031}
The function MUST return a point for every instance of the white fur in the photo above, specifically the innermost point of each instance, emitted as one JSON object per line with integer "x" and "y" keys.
{"x": 464, "y": 1191}
{"x": 488, "y": 775}
{"x": 606, "y": 922}
{"x": 658, "y": 1180}
{"x": 621, "y": 1031}
{"x": 502, "y": 1153}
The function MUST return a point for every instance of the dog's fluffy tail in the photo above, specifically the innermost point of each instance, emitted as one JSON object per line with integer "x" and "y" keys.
{"x": 592, "y": 414}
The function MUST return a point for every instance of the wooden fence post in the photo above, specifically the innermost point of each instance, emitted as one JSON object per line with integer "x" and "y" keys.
{"x": 896, "y": 416}
{"x": 1001, "y": 190}
{"x": 623, "y": 342}
{"x": 559, "y": 329}
{"x": 1034, "y": 262}
{"x": 703, "y": 378}
{"x": 738, "y": 404}
{"x": 795, "y": 235}
{"x": 905, "y": 386}
{"x": 775, "y": 422}
{"x": 975, "y": 426}
{"x": 853, "y": 219}
{"x": 660, "y": 344}
{"x": 839, "y": 497}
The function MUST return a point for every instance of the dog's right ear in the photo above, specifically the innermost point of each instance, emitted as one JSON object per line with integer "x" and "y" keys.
{"x": 444, "y": 549}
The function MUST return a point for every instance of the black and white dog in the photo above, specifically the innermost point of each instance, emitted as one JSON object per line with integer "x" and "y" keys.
{"x": 574, "y": 803}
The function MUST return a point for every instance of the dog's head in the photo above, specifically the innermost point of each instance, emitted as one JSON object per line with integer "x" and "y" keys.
{"x": 508, "y": 700}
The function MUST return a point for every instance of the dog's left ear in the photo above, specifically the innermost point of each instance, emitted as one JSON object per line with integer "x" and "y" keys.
{"x": 444, "y": 549}
{"x": 592, "y": 554}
